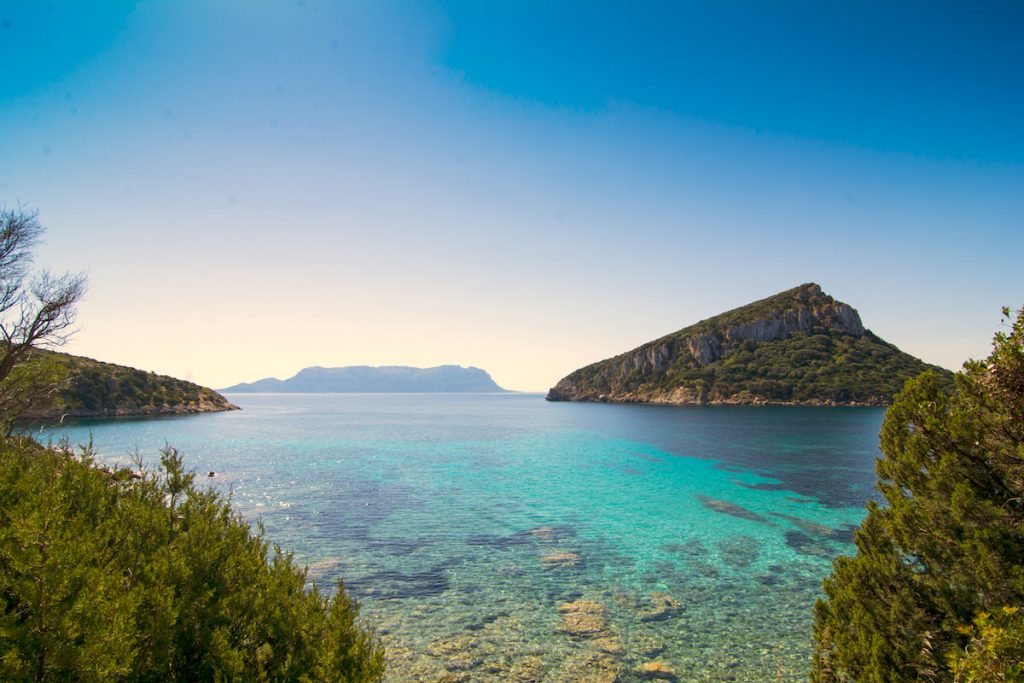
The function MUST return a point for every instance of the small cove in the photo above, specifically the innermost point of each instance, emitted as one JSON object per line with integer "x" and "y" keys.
{"x": 466, "y": 524}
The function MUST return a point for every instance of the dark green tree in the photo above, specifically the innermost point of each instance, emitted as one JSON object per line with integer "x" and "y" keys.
{"x": 946, "y": 548}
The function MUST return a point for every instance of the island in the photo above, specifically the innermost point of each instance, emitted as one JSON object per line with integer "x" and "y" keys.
{"x": 798, "y": 347}
{"x": 384, "y": 379}
{"x": 96, "y": 389}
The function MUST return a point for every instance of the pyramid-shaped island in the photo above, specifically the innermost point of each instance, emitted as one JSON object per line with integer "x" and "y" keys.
{"x": 799, "y": 347}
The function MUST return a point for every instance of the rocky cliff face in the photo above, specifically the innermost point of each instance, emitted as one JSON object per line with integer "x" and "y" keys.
{"x": 706, "y": 347}
{"x": 682, "y": 367}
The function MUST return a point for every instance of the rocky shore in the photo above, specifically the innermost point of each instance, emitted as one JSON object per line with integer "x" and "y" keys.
{"x": 683, "y": 397}
{"x": 202, "y": 405}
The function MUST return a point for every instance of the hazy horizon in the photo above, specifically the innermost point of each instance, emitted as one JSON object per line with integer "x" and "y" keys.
{"x": 255, "y": 188}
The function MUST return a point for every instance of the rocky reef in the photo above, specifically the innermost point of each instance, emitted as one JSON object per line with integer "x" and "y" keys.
{"x": 800, "y": 346}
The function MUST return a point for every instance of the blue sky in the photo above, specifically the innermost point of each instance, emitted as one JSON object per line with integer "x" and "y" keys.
{"x": 254, "y": 187}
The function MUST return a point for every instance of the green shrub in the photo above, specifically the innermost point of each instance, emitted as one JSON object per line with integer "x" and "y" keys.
{"x": 106, "y": 574}
{"x": 995, "y": 652}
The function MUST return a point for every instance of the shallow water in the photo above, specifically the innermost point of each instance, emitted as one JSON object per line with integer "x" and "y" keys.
{"x": 695, "y": 537}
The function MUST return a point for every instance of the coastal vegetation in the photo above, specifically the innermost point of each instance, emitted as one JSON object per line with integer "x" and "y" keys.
{"x": 91, "y": 388}
{"x": 116, "y": 573}
{"x": 800, "y": 346}
{"x": 935, "y": 590}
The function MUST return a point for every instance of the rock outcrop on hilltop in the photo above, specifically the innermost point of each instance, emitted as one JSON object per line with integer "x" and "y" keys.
{"x": 800, "y": 346}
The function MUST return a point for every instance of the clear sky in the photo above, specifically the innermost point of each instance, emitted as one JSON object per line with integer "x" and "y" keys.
{"x": 254, "y": 187}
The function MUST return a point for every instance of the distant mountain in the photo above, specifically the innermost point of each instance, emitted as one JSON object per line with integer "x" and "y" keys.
{"x": 98, "y": 389}
{"x": 386, "y": 379}
{"x": 798, "y": 347}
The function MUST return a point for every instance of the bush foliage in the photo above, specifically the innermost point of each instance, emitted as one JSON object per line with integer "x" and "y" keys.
{"x": 108, "y": 574}
{"x": 933, "y": 591}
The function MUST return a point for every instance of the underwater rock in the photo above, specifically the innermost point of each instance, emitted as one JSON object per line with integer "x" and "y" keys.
{"x": 627, "y": 600}
{"x": 595, "y": 667}
{"x": 395, "y": 585}
{"x": 545, "y": 535}
{"x": 396, "y": 546}
{"x": 694, "y": 547}
{"x": 841, "y": 535}
{"x": 658, "y": 671}
{"x": 583, "y": 619}
{"x": 805, "y": 545}
{"x": 581, "y": 606}
{"x": 552, "y": 534}
{"x": 704, "y": 569}
{"x": 458, "y": 653}
{"x": 769, "y": 579}
{"x": 453, "y": 677}
{"x": 527, "y": 669}
{"x": 447, "y": 646}
{"x": 738, "y": 551}
{"x": 498, "y": 668}
{"x": 727, "y": 508}
{"x": 559, "y": 560}
{"x": 610, "y": 644}
{"x": 649, "y": 645}
{"x": 463, "y": 661}
{"x": 665, "y": 569}
{"x": 663, "y": 606}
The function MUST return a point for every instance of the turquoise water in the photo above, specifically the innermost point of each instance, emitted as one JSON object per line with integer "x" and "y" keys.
{"x": 500, "y": 537}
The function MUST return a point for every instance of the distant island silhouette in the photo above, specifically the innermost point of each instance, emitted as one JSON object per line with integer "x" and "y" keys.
{"x": 384, "y": 379}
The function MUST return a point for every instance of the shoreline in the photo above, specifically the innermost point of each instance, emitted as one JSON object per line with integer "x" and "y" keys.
{"x": 816, "y": 403}
{"x": 147, "y": 411}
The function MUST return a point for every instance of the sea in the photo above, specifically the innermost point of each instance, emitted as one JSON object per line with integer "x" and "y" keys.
{"x": 500, "y": 537}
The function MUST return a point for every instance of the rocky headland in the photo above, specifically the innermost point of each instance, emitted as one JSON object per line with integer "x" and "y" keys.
{"x": 799, "y": 347}
{"x": 96, "y": 389}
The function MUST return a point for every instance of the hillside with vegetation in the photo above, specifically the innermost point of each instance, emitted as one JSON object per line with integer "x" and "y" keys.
{"x": 800, "y": 346}
{"x": 91, "y": 388}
